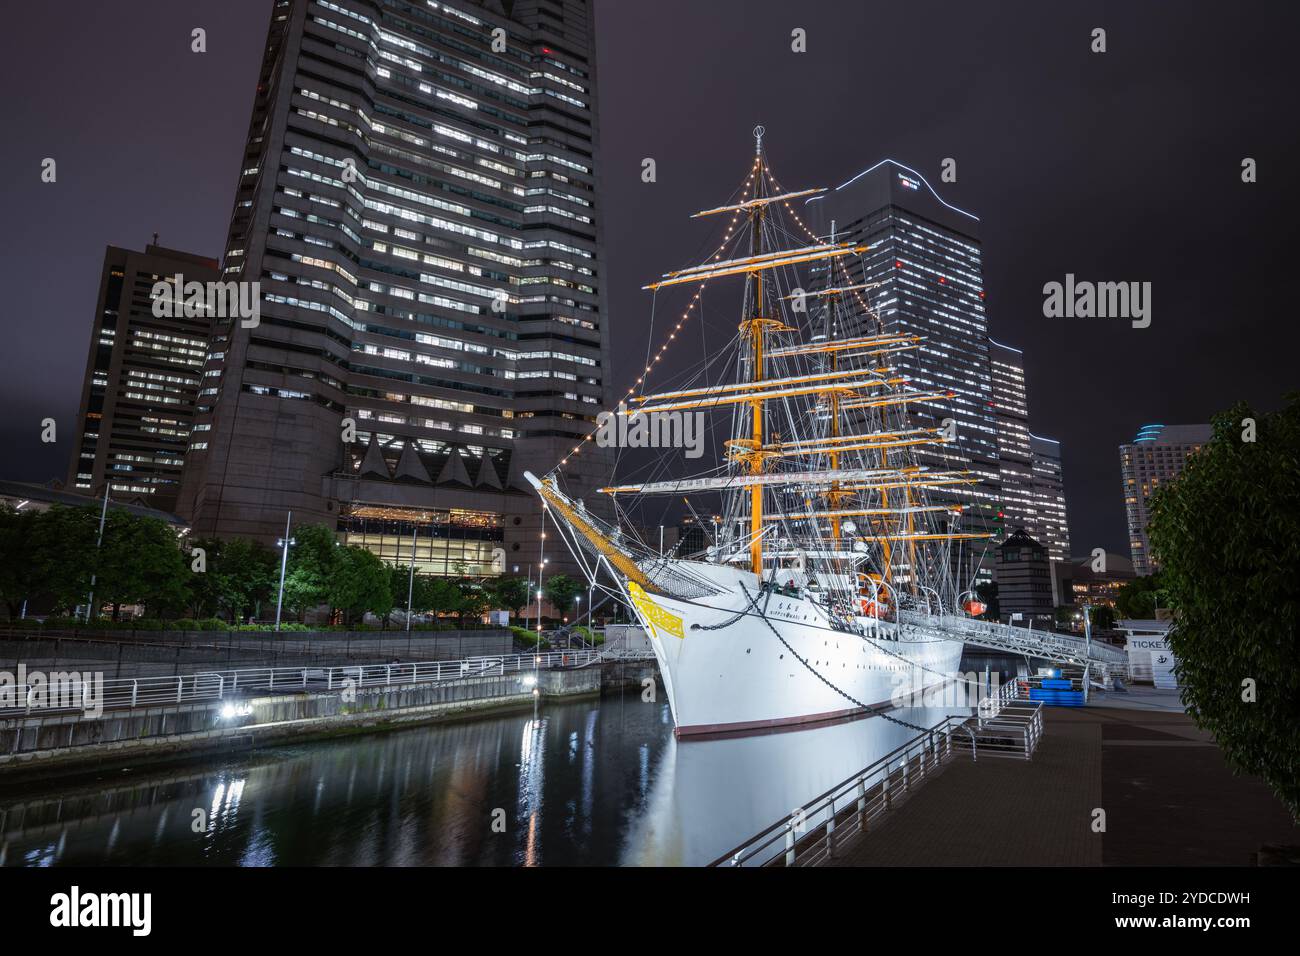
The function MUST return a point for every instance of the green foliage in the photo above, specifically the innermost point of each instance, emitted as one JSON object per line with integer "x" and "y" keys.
{"x": 21, "y": 576}
{"x": 510, "y": 593}
{"x": 560, "y": 590}
{"x": 529, "y": 639}
{"x": 1137, "y": 599}
{"x": 312, "y": 560}
{"x": 139, "y": 561}
{"x": 359, "y": 582}
{"x": 1227, "y": 536}
{"x": 443, "y": 596}
{"x": 474, "y": 600}
{"x": 241, "y": 574}
{"x": 1102, "y": 617}
{"x": 64, "y": 553}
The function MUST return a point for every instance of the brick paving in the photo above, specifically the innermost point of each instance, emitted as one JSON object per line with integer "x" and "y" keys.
{"x": 1169, "y": 798}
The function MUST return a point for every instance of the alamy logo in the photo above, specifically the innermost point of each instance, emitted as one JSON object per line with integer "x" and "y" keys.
{"x": 624, "y": 429}
{"x": 234, "y": 300}
{"x": 1102, "y": 300}
{"x": 57, "y": 690}
{"x": 73, "y": 909}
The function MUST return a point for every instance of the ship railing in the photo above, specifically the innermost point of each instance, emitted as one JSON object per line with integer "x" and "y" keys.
{"x": 83, "y": 691}
{"x": 820, "y": 829}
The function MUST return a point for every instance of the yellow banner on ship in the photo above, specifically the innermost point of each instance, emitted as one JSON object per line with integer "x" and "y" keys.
{"x": 654, "y": 615}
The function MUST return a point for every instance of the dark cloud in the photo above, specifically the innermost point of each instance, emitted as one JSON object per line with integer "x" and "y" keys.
{"x": 1120, "y": 166}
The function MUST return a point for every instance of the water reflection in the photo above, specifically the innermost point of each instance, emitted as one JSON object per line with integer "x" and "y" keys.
{"x": 598, "y": 783}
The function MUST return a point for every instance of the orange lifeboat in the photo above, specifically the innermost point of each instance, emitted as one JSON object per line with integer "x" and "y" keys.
{"x": 974, "y": 608}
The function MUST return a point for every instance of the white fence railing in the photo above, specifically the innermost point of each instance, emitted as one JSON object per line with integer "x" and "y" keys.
{"x": 64, "y": 691}
{"x": 1048, "y": 645}
{"x": 816, "y": 831}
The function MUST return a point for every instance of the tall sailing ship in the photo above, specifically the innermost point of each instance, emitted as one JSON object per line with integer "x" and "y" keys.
{"x": 829, "y": 588}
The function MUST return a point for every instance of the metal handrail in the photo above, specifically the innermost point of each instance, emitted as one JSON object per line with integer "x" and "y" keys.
{"x": 869, "y": 797}
{"x": 127, "y": 693}
{"x": 1019, "y": 638}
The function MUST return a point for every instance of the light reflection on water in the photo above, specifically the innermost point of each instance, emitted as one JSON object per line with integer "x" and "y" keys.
{"x": 593, "y": 782}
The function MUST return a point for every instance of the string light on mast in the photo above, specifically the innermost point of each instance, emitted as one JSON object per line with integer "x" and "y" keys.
{"x": 685, "y": 316}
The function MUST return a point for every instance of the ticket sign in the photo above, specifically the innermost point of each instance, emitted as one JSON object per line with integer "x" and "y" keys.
{"x": 1151, "y": 659}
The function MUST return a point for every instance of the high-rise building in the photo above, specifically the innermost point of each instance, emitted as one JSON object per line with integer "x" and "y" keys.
{"x": 1033, "y": 489}
{"x": 143, "y": 375}
{"x": 1015, "y": 459}
{"x": 1051, "y": 525}
{"x": 417, "y": 200}
{"x": 1154, "y": 458}
{"x": 925, "y": 253}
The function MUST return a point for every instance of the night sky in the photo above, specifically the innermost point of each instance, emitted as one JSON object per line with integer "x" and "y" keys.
{"x": 1122, "y": 166}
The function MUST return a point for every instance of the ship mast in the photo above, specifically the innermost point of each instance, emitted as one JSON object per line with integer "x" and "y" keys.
{"x": 755, "y": 324}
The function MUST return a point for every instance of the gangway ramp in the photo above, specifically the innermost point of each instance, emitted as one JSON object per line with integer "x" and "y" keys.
{"x": 1098, "y": 661}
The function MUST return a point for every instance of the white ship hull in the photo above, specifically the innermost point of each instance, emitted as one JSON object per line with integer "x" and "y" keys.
{"x": 734, "y": 669}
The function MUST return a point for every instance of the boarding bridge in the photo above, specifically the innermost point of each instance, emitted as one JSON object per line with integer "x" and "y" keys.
{"x": 1099, "y": 662}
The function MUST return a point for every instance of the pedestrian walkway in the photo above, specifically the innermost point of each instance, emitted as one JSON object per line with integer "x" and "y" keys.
{"x": 1169, "y": 797}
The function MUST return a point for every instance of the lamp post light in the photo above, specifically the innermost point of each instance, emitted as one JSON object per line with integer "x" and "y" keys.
{"x": 284, "y": 544}
{"x": 410, "y": 583}
{"x": 99, "y": 542}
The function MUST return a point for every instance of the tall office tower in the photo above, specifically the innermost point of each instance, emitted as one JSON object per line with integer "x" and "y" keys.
{"x": 1015, "y": 459}
{"x": 143, "y": 375}
{"x": 1051, "y": 522}
{"x": 925, "y": 253}
{"x": 418, "y": 202}
{"x": 1155, "y": 457}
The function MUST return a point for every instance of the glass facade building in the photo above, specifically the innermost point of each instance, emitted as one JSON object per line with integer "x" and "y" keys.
{"x": 1050, "y": 520}
{"x": 143, "y": 375}
{"x": 417, "y": 201}
{"x": 1156, "y": 456}
{"x": 1033, "y": 480}
{"x": 925, "y": 255}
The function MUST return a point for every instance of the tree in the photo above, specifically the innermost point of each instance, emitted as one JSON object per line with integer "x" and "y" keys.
{"x": 65, "y": 553}
{"x": 311, "y": 566}
{"x": 247, "y": 574}
{"x": 1227, "y": 535}
{"x": 21, "y": 571}
{"x": 1102, "y": 617}
{"x": 205, "y": 586}
{"x": 140, "y": 562}
{"x": 474, "y": 600}
{"x": 560, "y": 590}
{"x": 359, "y": 582}
{"x": 510, "y": 593}
{"x": 1138, "y": 599}
{"x": 443, "y": 596}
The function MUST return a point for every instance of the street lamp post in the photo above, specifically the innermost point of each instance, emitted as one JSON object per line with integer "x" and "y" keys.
{"x": 99, "y": 542}
{"x": 410, "y": 582}
{"x": 285, "y": 543}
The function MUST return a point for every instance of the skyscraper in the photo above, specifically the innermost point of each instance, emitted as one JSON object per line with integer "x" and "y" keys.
{"x": 925, "y": 253}
{"x": 417, "y": 200}
{"x": 143, "y": 374}
{"x": 1015, "y": 458}
{"x": 1050, "y": 520}
{"x": 1155, "y": 457}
